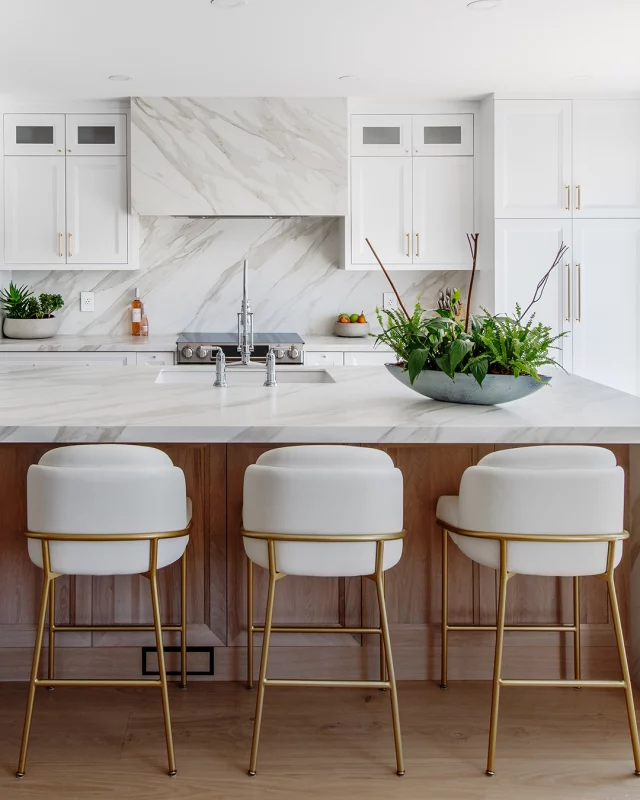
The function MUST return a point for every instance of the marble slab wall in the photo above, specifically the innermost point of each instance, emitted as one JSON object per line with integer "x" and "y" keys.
{"x": 244, "y": 156}
{"x": 190, "y": 278}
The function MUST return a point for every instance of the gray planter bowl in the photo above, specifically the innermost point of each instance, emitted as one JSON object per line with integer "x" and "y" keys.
{"x": 30, "y": 328}
{"x": 495, "y": 389}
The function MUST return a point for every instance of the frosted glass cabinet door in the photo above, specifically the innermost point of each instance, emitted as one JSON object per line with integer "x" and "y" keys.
{"x": 380, "y": 135}
{"x": 533, "y": 159}
{"x": 606, "y": 158}
{"x": 607, "y": 265}
{"x": 381, "y": 210}
{"x": 96, "y": 210}
{"x": 34, "y": 134}
{"x": 443, "y": 135}
{"x": 524, "y": 251}
{"x": 442, "y": 211}
{"x": 96, "y": 134}
{"x": 34, "y": 221}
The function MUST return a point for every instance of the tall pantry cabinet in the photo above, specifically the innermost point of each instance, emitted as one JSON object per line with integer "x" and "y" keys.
{"x": 569, "y": 171}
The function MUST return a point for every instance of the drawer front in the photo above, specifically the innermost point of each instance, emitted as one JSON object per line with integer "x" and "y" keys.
{"x": 58, "y": 359}
{"x": 356, "y": 359}
{"x": 323, "y": 359}
{"x": 155, "y": 359}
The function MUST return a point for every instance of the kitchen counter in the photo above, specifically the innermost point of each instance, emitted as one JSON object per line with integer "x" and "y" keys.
{"x": 364, "y": 405}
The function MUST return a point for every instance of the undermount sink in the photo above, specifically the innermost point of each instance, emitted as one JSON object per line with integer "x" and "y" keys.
{"x": 239, "y": 376}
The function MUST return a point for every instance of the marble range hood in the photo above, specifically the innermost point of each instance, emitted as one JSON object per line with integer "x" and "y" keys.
{"x": 239, "y": 157}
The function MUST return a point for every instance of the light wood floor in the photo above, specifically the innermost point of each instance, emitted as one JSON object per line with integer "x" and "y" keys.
{"x": 107, "y": 743}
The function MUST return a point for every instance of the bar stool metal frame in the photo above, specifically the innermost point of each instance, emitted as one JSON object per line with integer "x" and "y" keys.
{"x": 387, "y": 672}
{"x": 503, "y": 539}
{"x": 48, "y": 602}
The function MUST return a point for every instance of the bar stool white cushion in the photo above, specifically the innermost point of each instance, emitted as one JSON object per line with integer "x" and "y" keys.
{"x": 105, "y": 488}
{"x": 323, "y": 489}
{"x": 551, "y": 456}
{"x": 547, "y": 500}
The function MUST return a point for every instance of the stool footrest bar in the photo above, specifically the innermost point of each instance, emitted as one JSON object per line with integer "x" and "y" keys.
{"x": 329, "y": 683}
{"x": 314, "y": 629}
{"x": 114, "y": 628}
{"x": 568, "y": 682}
{"x": 525, "y": 628}
{"x": 92, "y": 682}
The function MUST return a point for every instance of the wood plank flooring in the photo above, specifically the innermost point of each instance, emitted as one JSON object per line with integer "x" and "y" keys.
{"x": 555, "y": 744}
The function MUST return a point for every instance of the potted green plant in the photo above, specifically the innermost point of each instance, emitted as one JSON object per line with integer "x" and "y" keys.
{"x": 28, "y": 316}
{"x": 484, "y": 359}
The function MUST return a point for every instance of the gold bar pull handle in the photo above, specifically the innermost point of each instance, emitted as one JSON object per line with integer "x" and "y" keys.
{"x": 408, "y": 245}
{"x": 579, "y": 314}
{"x": 578, "y": 198}
{"x": 417, "y": 245}
{"x": 59, "y": 245}
{"x": 568, "y": 317}
{"x": 69, "y": 253}
{"x": 568, "y": 206}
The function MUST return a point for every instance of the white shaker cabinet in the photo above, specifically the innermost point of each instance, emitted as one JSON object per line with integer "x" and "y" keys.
{"x": 380, "y": 135}
{"x": 96, "y": 134}
{"x": 606, "y": 159}
{"x": 34, "y": 210}
{"x": 96, "y": 210}
{"x": 381, "y": 192}
{"x": 533, "y": 176}
{"x": 443, "y": 135}
{"x": 606, "y": 255}
{"x": 442, "y": 211}
{"x": 34, "y": 134}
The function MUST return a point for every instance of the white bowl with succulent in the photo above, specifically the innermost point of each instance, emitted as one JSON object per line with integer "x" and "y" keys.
{"x": 28, "y": 316}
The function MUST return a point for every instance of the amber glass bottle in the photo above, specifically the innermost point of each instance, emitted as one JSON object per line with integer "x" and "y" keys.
{"x": 136, "y": 314}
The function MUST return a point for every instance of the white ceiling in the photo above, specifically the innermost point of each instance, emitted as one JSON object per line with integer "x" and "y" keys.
{"x": 408, "y": 48}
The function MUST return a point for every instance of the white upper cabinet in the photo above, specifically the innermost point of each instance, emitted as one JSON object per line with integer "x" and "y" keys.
{"x": 442, "y": 211}
{"x": 96, "y": 210}
{"x": 381, "y": 210}
{"x": 96, "y": 134}
{"x": 380, "y": 135}
{"x": 34, "y": 210}
{"x": 34, "y": 134}
{"x": 533, "y": 159}
{"x": 443, "y": 135}
{"x": 606, "y": 158}
{"x": 606, "y": 255}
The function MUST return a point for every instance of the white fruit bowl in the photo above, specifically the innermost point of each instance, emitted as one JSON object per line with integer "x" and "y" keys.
{"x": 351, "y": 329}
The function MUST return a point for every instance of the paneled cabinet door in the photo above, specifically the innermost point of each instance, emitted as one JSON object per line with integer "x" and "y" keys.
{"x": 96, "y": 134}
{"x": 442, "y": 211}
{"x": 34, "y": 134}
{"x": 607, "y": 265}
{"x": 533, "y": 159}
{"x": 96, "y": 210}
{"x": 381, "y": 210}
{"x": 380, "y": 135}
{"x": 443, "y": 135}
{"x": 34, "y": 210}
{"x": 606, "y": 158}
{"x": 524, "y": 251}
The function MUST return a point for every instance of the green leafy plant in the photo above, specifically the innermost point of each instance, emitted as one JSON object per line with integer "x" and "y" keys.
{"x": 480, "y": 345}
{"x": 19, "y": 302}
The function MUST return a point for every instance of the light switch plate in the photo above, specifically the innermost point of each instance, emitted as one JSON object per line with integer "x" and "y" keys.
{"x": 87, "y": 301}
{"x": 389, "y": 301}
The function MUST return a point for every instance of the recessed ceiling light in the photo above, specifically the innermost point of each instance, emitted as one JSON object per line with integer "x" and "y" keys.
{"x": 120, "y": 77}
{"x": 483, "y": 5}
{"x": 348, "y": 78}
{"x": 581, "y": 77}
{"x": 228, "y": 3}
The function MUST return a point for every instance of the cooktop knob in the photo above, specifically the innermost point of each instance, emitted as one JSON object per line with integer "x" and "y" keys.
{"x": 293, "y": 353}
{"x": 201, "y": 352}
{"x": 187, "y": 352}
{"x": 279, "y": 353}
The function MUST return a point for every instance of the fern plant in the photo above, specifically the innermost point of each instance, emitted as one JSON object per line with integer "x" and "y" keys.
{"x": 19, "y": 302}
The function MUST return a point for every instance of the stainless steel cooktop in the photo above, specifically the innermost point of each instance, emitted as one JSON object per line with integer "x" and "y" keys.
{"x": 196, "y": 348}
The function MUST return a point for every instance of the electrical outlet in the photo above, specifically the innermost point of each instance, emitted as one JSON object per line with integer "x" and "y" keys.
{"x": 86, "y": 301}
{"x": 389, "y": 301}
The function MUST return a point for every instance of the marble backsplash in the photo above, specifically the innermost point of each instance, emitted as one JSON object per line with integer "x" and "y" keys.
{"x": 190, "y": 278}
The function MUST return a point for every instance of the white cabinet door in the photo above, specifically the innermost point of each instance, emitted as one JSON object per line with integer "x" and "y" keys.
{"x": 323, "y": 359}
{"x": 96, "y": 210}
{"x": 34, "y": 210}
{"x": 372, "y": 359}
{"x": 606, "y": 158}
{"x": 381, "y": 210}
{"x": 154, "y": 359}
{"x": 524, "y": 251}
{"x": 96, "y": 134}
{"x": 443, "y": 135}
{"x": 34, "y": 134}
{"x": 380, "y": 135}
{"x": 442, "y": 211}
{"x": 533, "y": 159}
{"x": 607, "y": 266}
{"x": 58, "y": 359}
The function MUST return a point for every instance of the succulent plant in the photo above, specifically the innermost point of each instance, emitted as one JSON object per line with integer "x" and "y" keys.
{"x": 19, "y": 302}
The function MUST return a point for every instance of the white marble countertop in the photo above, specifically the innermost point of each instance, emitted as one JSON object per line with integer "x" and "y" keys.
{"x": 161, "y": 343}
{"x": 364, "y": 405}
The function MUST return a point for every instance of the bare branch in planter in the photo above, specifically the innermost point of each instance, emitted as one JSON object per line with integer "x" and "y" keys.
{"x": 472, "y": 238}
{"x": 543, "y": 281}
{"x": 406, "y": 313}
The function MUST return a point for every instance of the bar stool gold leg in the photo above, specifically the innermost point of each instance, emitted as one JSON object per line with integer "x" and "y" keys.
{"x": 183, "y": 621}
{"x": 249, "y": 623}
{"x": 617, "y": 625}
{"x": 444, "y": 641}
{"x": 497, "y": 666}
{"x": 383, "y": 655}
{"x": 577, "y": 655}
{"x": 155, "y": 602}
{"x": 266, "y": 640}
{"x": 52, "y": 621}
{"x": 384, "y": 624}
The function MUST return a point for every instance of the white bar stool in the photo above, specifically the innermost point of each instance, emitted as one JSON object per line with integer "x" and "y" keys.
{"x": 550, "y": 510}
{"x": 106, "y": 510}
{"x": 342, "y": 518}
